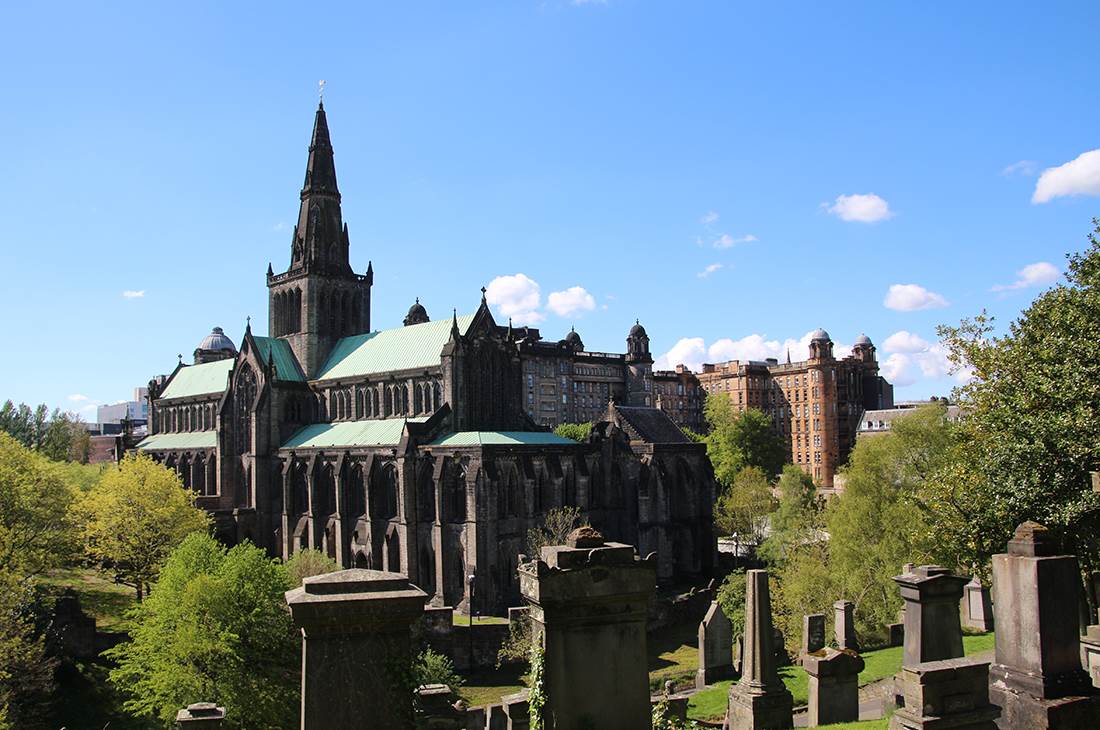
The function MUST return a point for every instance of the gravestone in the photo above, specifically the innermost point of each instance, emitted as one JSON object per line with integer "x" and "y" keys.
{"x": 759, "y": 700}
{"x": 1090, "y": 654}
{"x": 844, "y": 625}
{"x": 356, "y": 633}
{"x": 1037, "y": 677}
{"x": 200, "y": 716}
{"x": 937, "y": 686}
{"x": 715, "y": 647}
{"x": 436, "y": 710}
{"x": 517, "y": 710}
{"x": 833, "y": 676}
{"x": 977, "y": 608}
{"x": 813, "y": 633}
{"x": 588, "y": 604}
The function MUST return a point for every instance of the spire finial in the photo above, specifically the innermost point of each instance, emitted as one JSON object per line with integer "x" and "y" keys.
{"x": 248, "y": 324}
{"x": 321, "y": 93}
{"x": 418, "y": 300}
{"x": 483, "y": 290}
{"x": 180, "y": 356}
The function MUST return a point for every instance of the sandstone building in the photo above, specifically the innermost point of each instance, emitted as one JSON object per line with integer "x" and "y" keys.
{"x": 420, "y": 449}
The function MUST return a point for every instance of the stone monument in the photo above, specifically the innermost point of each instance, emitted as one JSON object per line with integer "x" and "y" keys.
{"x": 760, "y": 700}
{"x": 939, "y": 688}
{"x": 356, "y": 649}
{"x": 833, "y": 674}
{"x": 589, "y": 601}
{"x": 1037, "y": 677}
{"x": 200, "y": 716}
{"x": 813, "y": 633}
{"x": 977, "y": 608}
{"x": 844, "y": 625}
{"x": 715, "y": 647}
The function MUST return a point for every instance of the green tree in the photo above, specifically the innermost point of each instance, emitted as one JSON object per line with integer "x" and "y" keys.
{"x": 306, "y": 563}
{"x": 740, "y": 438}
{"x": 575, "y": 431}
{"x": 798, "y": 518}
{"x": 26, "y": 671}
{"x": 34, "y": 502}
{"x": 432, "y": 667}
{"x": 731, "y": 597}
{"x": 133, "y": 518}
{"x": 214, "y": 628}
{"x": 743, "y": 508}
{"x": 555, "y": 527}
{"x": 1031, "y": 431}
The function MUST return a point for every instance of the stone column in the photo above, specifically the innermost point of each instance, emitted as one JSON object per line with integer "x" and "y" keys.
{"x": 715, "y": 647}
{"x": 200, "y": 716}
{"x": 932, "y": 627}
{"x": 844, "y": 625}
{"x": 977, "y": 609}
{"x": 833, "y": 686}
{"x": 589, "y": 604}
{"x": 1037, "y": 677}
{"x": 356, "y": 649}
{"x": 938, "y": 688}
{"x": 759, "y": 701}
{"x": 287, "y": 547}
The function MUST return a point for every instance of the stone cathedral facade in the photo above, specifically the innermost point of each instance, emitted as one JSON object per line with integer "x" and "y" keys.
{"x": 411, "y": 449}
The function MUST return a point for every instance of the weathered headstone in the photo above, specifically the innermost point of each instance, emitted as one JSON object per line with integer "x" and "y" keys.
{"x": 356, "y": 627}
{"x": 759, "y": 700}
{"x": 589, "y": 602}
{"x": 436, "y": 710}
{"x": 715, "y": 647}
{"x": 896, "y": 633}
{"x": 1037, "y": 677}
{"x": 977, "y": 608}
{"x": 938, "y": 688}
{"x": 200, "y": 716}
{"x": 833, "y": 676}
{"x": 932, "y": 627}
{"x": 517, "y": 710}
{"x": 844, "y": 625}
{"x": 1090, "y": 654}
{"x": 813, "y": 633}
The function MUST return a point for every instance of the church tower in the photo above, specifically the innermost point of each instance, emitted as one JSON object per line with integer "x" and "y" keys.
{"x": 318, "y": 299}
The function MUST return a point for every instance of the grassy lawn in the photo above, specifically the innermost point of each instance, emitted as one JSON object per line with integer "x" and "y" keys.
{"x": 488, "y": 686}
{"x": 99, "y": 597}
{"x": 461, "y": 619}
{"x": 882, "y": 724}
{"x": 710, "y": 704}
{"x": 673, "y": 655}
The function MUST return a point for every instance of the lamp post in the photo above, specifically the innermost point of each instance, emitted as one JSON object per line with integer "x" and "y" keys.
{"x": 470, "y": 614}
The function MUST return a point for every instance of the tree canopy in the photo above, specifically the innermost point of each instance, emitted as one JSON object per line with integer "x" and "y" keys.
{"x": 58, "y": 436}
{"x": 743, "y": 508}
{"x": 576, "y": 431}
{"x": 134, "y": 516}
{"x": 215, "y": 629}
{"x": 740, "y": 438}
{"x": 34, "y": 502}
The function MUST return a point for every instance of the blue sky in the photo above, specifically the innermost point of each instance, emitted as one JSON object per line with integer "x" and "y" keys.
{"x": 732, "y": 174}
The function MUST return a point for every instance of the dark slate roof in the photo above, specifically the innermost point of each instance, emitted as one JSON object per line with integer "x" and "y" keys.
{"x": 649, "y": 424}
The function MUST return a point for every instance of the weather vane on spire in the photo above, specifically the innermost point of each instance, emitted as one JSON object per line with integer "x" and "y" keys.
{"x": 321, "y": 90}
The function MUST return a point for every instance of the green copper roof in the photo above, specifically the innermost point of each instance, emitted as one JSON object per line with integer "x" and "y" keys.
{"x": 401, "y": 348}
{"x": 349, "y": 433}
{"x": 210, "y": 377}
{"x": 286, "y": 365}
{"x": 502, "y": 438}
{"x": 190, "y": 440}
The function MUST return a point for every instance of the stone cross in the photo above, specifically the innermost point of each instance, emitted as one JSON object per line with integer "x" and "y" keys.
{"x": 813, "y": 633}
{"x": 1036, "y": 676}
{"x": 759, "y": 699}
{"x": 356, "y": 627}
{"x": 844, "y": 625}
{"x": 715, "y": 647}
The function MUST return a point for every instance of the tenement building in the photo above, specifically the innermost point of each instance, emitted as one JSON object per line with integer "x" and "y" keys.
{"x": 422, "y": 448}
{"x": 816, "y": 405}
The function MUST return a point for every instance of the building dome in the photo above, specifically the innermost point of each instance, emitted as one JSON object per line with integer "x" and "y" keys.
{"x": 217, "y": 340}
{"x": 819, "y": 334}
{"x": 863, "y": 340}
{"x": 417, "y": 314}
{"x": 574, "y": 340}
{"x": 637, "y": 330}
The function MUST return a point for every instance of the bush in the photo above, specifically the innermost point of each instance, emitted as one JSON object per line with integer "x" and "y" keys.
{"x": 434, "y": 668}
{"x": 307, "y": 563}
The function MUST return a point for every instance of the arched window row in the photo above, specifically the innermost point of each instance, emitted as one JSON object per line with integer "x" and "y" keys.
{"x": 384, "y": 400}
{"x": 341, "y": 312}
{"x": 197, "y": 471}
{"x": 185, "y": 418}
{"x": 287, "y": 309}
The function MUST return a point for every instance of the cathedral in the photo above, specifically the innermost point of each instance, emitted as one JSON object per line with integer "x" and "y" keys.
{"x": 413, "y": 449}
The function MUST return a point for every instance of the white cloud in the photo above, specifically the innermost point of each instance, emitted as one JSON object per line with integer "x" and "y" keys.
{"x": 693, "y": 351}
{"x": 516, "y": 296}
{"x": 911, "y": 297}
{"x": 689, "y": 351}
{"x": 709, "y": 270}
{"x": 134, "y": 293}
{"x": 898, "y": 369}
{"x": 1040, "y": 273}
{"x": 709, "y": 218}
{"x": 904, "y": 341}
{"x": 868, "y": 208}
{"x": 280, "y": 226}
{"x": 571, "y": 301}
{"x": 78, "y": 397}
{"x": 1023, "y": 167}
{"x": 728, "y": 241}
{"x": 1079, "y": 176}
